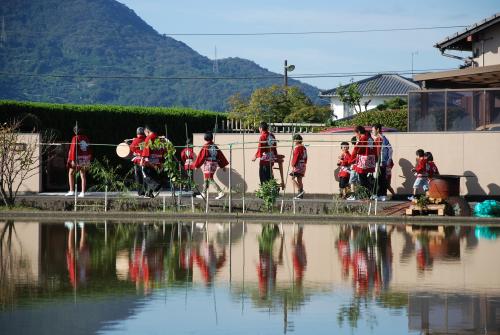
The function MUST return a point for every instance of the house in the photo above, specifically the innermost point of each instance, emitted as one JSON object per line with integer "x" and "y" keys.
{"x": 375, "y": 90}
{"x": 465, "y": 99}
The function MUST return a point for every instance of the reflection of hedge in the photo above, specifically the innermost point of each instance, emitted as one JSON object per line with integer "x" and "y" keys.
{"x": 105, "y": 123}
{"x": 394, "y": 118}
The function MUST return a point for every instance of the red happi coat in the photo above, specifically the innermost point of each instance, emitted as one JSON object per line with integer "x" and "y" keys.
{"x": 80, "y": 151}
{"x": 299, "y": 160}
{"x": 432, "y": 169}
{"x": 135, "y": 149}
{"x": 266, "y": 149}
{"x": 422, "y": 168}
{"x": 152, "y": 157}
{"x": 363, "y": 155}
{"x": 345, "y": 159}
{"x": 210, "y": 157}
{"x": 187, "y": 157}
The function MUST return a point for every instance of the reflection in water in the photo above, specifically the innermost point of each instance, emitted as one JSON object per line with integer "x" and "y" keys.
{"x": 378, "y": 278}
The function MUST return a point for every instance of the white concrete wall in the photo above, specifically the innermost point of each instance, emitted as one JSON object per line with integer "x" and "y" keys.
{"x": 472, "y": 153}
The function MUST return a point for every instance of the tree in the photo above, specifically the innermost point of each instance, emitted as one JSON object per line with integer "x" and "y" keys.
{"x": 20, "y": 159}
{"x": 351, "y": 96}
{"x": 276, "y": 104}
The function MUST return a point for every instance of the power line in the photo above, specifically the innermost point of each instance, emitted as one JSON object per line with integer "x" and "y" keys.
{"x": 274, "y": 76}
{"x": 317, "y": 32}
{"x": 281, "y": 33}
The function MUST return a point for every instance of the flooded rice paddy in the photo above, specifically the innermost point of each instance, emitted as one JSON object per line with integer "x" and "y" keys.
{"x": 89, "y": 277}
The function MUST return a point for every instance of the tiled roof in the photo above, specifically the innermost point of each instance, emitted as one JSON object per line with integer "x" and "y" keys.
{"x": 380, "y": 85}
{"x": 473, "y": 28}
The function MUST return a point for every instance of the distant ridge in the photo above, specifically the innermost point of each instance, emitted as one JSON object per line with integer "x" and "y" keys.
{"x": 106, "y": 38}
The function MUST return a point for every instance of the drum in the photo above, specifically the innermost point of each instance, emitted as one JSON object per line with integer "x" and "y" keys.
{"x": 123, "y": 151}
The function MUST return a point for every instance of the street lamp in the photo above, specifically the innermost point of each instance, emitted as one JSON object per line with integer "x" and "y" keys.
{"x": 287, "y": 68}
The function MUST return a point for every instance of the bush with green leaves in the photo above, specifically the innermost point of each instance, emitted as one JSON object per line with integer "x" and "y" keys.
{"x": 268, "y": 192}
{"x": 392, "y": 113}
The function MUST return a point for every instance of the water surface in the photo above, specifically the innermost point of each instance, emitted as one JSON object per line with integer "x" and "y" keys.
{"x": 88, "y": 277}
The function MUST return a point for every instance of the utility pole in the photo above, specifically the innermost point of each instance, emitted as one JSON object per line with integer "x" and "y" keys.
{"x": 413, "y": 53}
{"x": 286, "y": 73}
{"x": 287, "y": 68}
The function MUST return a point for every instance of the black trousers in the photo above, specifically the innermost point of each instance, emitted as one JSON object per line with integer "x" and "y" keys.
{"x": 139, "y": 179}
{"x": 382, "y": 182}
{"x": 265, "y": 173}
{"x": 151, "y": 179}
{"x": 365, "y": 181}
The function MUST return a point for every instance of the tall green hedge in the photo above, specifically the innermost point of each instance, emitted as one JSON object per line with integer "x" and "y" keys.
{"x": 392, "y": 118}
{"x": 107, "y": 123}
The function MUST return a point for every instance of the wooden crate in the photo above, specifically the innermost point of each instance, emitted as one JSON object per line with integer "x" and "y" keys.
{"x": 429, "y": 209}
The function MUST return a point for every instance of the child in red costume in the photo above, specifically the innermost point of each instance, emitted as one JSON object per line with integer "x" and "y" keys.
{"x": 421, "y": 172}
{"x": 267, "y": 153}
{"x": 432, "y": 168}
{"x": 344, "y": 172}
{"x": 79, "y": 157}
{"x": 210, "y": 158}
{"x": 151, "y": 163}
{"x": 364, "y": 156}
{"x": 299, "y": 162}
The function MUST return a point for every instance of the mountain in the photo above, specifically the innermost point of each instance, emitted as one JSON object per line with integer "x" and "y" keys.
{"x": 45, "y": 41}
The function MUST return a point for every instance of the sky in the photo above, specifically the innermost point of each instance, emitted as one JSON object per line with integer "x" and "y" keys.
{"x": 335, "y": 53}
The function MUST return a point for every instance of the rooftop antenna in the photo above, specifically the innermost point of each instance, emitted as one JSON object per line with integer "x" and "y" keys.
{"x": 216, "y": 62}
{"x": 3, "y": 34}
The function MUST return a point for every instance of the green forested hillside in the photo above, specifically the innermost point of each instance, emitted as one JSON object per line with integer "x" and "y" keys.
{"x": 86, "y": 38}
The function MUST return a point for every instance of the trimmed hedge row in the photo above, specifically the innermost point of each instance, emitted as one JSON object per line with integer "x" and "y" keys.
{"x": 107, "y": 123}
{"x": 392, "y": 118}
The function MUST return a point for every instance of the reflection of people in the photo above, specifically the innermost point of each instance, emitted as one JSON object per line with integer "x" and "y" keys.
{"x": 77, "y": 266}
{"x": 79, "y": 157}
{"x": 151, "y": 161}
{"x": 208, "y": 261}
{"x": 267, "y": 267}
{"x": 299, "y": 256}
{"x": 146, "y": 262}
{"x": 210, "y": 159}
{"x": 299, "y": 162}
{"x": 136, "y": 150}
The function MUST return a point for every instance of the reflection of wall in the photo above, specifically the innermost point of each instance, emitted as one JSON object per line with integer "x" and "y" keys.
{"x": 25, "y": 248}
{"x": 473, "y": 314}
{"x": 454, "y": 153}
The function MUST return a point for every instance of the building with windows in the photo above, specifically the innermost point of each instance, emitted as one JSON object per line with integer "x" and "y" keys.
{"x": 375, "y": 90}
{"x": 465, "y": 99}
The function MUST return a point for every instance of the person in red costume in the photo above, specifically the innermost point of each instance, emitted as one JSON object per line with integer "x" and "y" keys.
{"x": 344, "y": 172}
{"x": 151, "y": 162}
{"x": 421, "y": 171}
{"x": 136, "y": 150}
{"x": 79, "y": 157}
{"x": 188, "y": 157}
{"x": 299, "y": 162}
{"x": 210, "y": 159}
{"x": 267, "y": 152}
{"x": 364, "y": 157}
{"x": 433, "y": 170}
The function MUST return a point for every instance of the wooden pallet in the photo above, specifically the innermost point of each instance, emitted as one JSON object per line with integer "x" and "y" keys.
{"x": 429, "y": 209}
